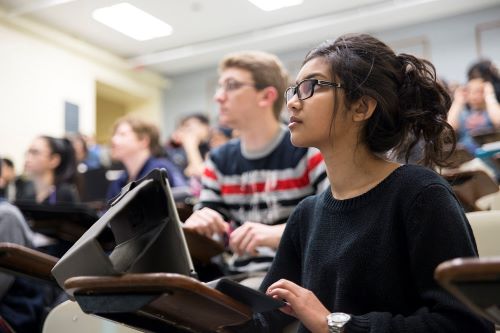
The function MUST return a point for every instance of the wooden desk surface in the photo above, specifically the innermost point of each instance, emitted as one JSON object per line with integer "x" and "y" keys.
{"x": 162, "y": 298}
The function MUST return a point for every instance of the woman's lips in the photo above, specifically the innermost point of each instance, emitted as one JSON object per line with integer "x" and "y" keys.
{"x": 294, "y": 121}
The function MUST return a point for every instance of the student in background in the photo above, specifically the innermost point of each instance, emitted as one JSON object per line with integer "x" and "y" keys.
{"x": 189, "y": 145}
{"x": 85, "y": 159}
{"x": 475, "y": 108}
{"x": 219, "y": 135}
{"x": 21, "y": 300}
{"x": 136, "y": 144}
{"x": 251, "y": 184}
{"x": 50, "y": 165}
{"x": 485, "y": 69}
{"x": 360, "y": 257}
{"x": 8, "y": 180}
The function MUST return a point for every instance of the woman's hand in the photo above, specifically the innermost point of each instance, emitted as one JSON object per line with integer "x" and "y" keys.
{"x": 302, "y": 304}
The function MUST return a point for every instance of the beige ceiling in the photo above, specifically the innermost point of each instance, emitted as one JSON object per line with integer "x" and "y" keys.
{"x": 206, "y": 29}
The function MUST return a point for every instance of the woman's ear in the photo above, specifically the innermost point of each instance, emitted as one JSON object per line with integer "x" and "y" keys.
{"x": 55, "y": 160}
{"x": 363, "y": 108}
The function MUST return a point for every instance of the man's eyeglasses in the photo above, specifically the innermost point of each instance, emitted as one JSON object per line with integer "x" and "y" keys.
{"x": 305, "y": 88}
{"x": 231, "y": 85}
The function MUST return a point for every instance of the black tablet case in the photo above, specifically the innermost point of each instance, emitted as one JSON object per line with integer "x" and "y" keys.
{"x": 149, "y": 238}
{"x": 256, "y": 300}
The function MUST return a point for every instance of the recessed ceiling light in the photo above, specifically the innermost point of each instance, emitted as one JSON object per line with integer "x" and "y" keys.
{"x": 269, "y": 5}
{"x": 132, "y": 21}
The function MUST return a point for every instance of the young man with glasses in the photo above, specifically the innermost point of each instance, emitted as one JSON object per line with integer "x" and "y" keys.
{"x": 252, "y": 184}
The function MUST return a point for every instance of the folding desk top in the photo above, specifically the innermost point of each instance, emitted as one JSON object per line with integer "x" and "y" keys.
{"x": 475, "y": 282}
{"x": 152, "y": 301}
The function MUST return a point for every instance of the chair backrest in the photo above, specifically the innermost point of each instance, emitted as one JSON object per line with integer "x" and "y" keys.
{"x": 486, "y": 228}
{"x": 470, "y": 186}
{"x": 485, "y": 136}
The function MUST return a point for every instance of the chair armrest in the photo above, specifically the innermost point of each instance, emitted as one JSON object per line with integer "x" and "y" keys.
{"x": 20, "y": 260}
{"x": 475, "y": 282}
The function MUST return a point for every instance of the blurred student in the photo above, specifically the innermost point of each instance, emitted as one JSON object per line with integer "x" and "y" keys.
{"x": 485, "y": 69}
{"x": 360, "y": 257}
{"x": 220, "y": 135}
{"x": 136, "y": 144}
{"x": 251, "y": 184}
{"x": 85, "y": 159}
{"x": 8, "y": 180}
{"x": 50, "y": 165}
{"x": 474, "y": 109}
{"x": 189, "y": 144}
{"x": 21, "y": 301}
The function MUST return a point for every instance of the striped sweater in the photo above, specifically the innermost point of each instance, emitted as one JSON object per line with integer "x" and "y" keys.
{"x": 260, "y": 187}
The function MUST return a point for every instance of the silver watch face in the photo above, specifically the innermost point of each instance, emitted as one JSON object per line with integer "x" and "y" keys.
{"x": 338, "y": 319}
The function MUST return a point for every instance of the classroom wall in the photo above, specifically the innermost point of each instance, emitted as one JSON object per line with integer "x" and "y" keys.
{"x": 41, "y": 69}
{"x": 449, "y": 43}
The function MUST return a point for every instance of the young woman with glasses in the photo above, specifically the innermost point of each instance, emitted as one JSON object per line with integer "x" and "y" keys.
{"x": 360, "y": 256}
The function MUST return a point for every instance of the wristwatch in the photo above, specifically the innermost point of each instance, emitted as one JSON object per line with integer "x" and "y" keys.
{"x": 336, "y": 321}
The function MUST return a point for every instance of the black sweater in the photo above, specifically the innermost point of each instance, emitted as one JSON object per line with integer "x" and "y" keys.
{"x": 373, "y": 256}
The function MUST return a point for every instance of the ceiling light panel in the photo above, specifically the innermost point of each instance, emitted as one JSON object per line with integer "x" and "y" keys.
{"x": 269, "y": 5}
{"x": 132, "y": 21}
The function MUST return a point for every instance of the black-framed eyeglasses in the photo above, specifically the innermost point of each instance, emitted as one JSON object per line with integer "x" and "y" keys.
{"x": 305, "y": 88}
{"x": 231, "y": 85}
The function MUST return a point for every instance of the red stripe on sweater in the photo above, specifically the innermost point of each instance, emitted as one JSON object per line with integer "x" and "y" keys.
{"x": 209, "y": 174}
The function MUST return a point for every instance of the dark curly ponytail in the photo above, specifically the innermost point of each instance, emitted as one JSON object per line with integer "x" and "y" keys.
{"x": 412, "y": 106}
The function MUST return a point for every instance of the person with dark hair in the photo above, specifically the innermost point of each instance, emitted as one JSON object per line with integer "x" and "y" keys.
{"x": 485, "y": 69}
{"x": 219, "y": 135}
{"x": 136, "y": 144}
{"x": 251, "y": 184}
{"x": 360, "y": 257}
{"x": 188, "y": 144}
{"x": 50, "y": 165}
{"x": 85, "y": 159}
{"x": 8, "y": 180}
{"x": 475, "y": 108}
{"x": 21, "y": 301}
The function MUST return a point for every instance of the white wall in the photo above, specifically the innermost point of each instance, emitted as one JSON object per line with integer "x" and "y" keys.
{"x": 452, "y": 48}
{"x": 40, "y": 69}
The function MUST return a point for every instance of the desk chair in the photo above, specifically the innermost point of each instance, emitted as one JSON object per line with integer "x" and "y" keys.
{"x": 482, "y": 137}
{"x": 469, "y": 186}
{"x": 459, "y": 156}
{"x": 150, "y": 302}
{"x": 65, "y": 317}
{"x": 486, "y": 228}
{"x": 489, "y": 202}
{"x": 63, "y": 221}
{"x": 475, "y": 282}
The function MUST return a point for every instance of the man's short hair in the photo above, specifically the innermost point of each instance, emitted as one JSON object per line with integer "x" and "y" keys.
{"x": 266, "y": 69}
